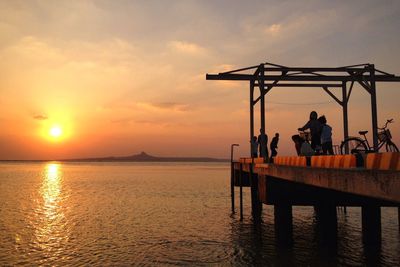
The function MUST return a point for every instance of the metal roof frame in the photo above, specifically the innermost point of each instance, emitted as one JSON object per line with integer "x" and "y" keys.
{"x": 267, "y": 75}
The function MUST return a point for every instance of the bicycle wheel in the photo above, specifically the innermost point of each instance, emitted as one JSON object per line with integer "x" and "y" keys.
{"x": 391, "y": 147}
{"x": 356, "y": 145}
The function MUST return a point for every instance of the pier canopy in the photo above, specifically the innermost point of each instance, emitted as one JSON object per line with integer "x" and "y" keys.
{"x": 266, "y": 76}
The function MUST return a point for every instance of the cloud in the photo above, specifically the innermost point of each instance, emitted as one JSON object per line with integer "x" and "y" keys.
{"x": 40, "y": 117}
{"x": 123, "y": 120}
{"x": 187, "y": 48}
{"x": 160, "y": 123}
{"x": 171, "y": 106}
{"x": 222, "y": 68}
{"x": 163, "y": 106}
{"x": 274, "y": 29}
{"x": 144, "y": 124}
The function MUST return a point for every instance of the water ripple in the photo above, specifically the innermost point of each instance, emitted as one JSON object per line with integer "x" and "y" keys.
{"x": 58, "y": 214}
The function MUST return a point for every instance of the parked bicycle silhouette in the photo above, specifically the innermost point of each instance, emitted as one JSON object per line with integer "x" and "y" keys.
{"x": 358, "y": 145}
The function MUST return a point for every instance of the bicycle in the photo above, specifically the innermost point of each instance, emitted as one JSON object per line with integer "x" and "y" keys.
{"x": 357, "y": 145}
{"x": 305, "y": 135}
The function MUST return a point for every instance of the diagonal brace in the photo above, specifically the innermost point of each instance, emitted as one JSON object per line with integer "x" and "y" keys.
{"x": 349, "y": 93}
{"x": 332, "y": 95}
{"x": 361, "y": 81}
{"x": 265, "y": 91}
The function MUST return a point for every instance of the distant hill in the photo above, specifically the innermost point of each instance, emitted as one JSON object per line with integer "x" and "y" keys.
{"x": 144, "y": 157}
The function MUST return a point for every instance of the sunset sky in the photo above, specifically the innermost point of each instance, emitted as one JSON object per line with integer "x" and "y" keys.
{"x": 101, "y": 78}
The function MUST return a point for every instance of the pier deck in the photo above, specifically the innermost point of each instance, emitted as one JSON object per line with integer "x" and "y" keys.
{"x": 342, "y": 182}
{"x": 349, "y": 187}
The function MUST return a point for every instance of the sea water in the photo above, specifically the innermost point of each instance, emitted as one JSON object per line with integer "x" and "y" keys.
{"x": 119, "y": 214}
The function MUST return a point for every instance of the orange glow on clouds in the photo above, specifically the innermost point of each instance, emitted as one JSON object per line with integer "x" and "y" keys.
{"x": 86, "y": 85}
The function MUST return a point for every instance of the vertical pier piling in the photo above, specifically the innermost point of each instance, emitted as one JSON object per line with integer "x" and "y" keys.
{"x": 241, "y": 190}
{"x": 256, "y": 205}
{"x": 283, "y": 221}
{"x": 371, "y": 224}
{"x": 232, "y": 187}
{"x": 326, "y": 216}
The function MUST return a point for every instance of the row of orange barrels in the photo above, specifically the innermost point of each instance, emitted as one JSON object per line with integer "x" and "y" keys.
{"x": 376, "y": 161}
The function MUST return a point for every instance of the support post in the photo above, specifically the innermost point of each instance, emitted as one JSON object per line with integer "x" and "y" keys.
{"x": 374, "y": 107}
{"x": 233, "y": 179}
{"x": 251, "y": 113}
{"x": 262, "y": 99}
{"x": 283, "y": 219}
{"x": 326, "y": 216}
{"x": 371, "y": 224}
{"x": 232, "y": 187}
{"x": 345, "y": 116}
{"x": 256, "y": 205}
{"x": 261, "y": 84}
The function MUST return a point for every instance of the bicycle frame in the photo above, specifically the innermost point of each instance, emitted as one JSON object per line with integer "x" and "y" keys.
{"x": 361, "y": 144}
{"x": 366, "y": 141}
{"x": 370, "y": 148}
{"x": 381, "y": 143}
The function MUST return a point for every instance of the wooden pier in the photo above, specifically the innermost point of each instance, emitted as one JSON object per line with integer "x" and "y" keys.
{"x": 325, "y": 182}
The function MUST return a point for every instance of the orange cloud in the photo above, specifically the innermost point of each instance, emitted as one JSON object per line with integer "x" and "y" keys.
{"x": 163, "y": 106}
{"x": 40, "y": 117}
{"x": 187, "y": 47}
{"x": 274, "y": 29}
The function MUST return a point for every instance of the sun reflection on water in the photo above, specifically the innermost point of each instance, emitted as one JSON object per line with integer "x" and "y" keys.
{"x": 51, "y": 227}
{"x": 51, "y": 187}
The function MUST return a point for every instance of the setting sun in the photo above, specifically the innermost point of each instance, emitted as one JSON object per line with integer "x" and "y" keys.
{"x": 55, "y": 131}
{"x": 57, "y": 128}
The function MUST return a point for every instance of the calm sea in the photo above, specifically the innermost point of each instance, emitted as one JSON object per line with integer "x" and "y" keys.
{"x": 119, "y": 214}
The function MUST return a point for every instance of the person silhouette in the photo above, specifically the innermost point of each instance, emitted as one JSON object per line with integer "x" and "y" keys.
{"x": 274, "y": 145}
{"x": 326, "y": 136}
{"x": 297, "y": 143}
{"x": 315, "y": 128}
{"x": 262, "y": 144}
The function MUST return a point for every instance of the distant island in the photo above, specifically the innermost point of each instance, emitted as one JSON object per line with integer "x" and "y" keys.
{"x": 144, "y": 157}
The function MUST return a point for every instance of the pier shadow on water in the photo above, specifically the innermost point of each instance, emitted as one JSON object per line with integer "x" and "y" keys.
{"x": 313, "y": 241}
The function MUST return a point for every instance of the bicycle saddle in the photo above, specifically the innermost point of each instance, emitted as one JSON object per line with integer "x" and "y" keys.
{"x": 363, "y": 132}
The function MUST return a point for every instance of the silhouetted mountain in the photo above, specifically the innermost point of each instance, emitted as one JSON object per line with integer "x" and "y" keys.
{"x": 144, "y": 157}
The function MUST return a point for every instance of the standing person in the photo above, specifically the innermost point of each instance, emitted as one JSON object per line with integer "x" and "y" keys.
{"x": 254, "y": 146}
{"x": 297, "y": 143}
{"x": 273, "y": 146}
{"x": 315, "y": 128}
{"x": 326, "y": 136}
{"x": 262, "y": 143}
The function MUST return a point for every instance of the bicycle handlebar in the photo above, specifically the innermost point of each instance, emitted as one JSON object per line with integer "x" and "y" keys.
{"x": 386, "y": 124}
